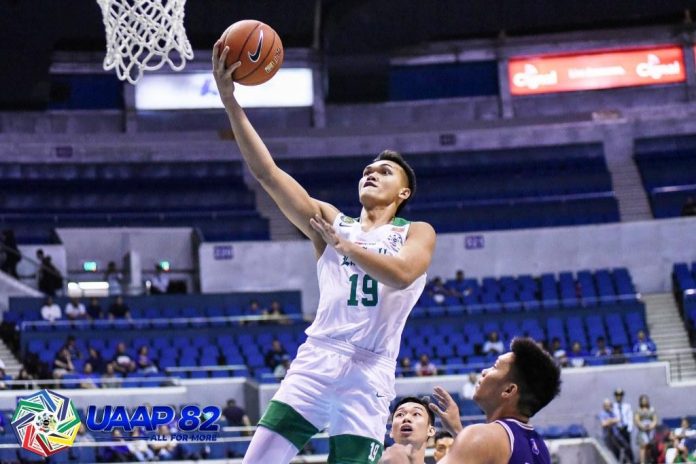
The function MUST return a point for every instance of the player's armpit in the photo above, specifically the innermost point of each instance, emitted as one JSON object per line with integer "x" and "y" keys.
{"x": 480, "y": 444}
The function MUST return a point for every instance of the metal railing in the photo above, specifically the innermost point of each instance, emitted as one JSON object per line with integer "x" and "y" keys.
{"x": 170, "y": 322}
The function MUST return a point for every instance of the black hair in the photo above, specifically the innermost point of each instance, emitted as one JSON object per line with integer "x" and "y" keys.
{"x": 395, "y": 157}
{"x": 425, "y": 401}
{"x": 442, "y": 434}
{"x": 537, "y": 375}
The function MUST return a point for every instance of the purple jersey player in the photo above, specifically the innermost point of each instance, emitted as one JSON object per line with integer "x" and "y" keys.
{"x": 516, "y": 387}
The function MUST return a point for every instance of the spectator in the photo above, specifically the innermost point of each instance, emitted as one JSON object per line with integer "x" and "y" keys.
{"x": 50, "y": 311}
{"x": 624, "y": 413}
{"x": 139, "y": 448}
{"x": 235, "y": 416}
{"x": 617, "y": 356}
{"x": 165, "y": 450}
{"x": 406, "y": 368}
{"x": 62, "y": 364}
{"x": 119, "y": 309}
{"x": 71, "y": 346}
{"x": 50, "y": 280}
{"x": 469, "y": 387}
{"x": 123, "y": 362}
{"x": 27, "y": 381}
{"x": 611, "y": 435}
{"x": 115, "y": 279}
{"x": 145, "y": 365}
{"x": 601, "y": 349}
{"x": 577, "y": 355}
{"x": 110, "y": 379}
{"x": 645, "y": 420}
{"x": 3, "y": 378}
{"x": 437, "y": 290}
{"x": 493, "y": 345}
{"x": 277, "y": 313}
{"x": 459, "y": 287}
{"x": 443, "y": 443}
{"x": 282, "y": 368}
{"x": 684, "y": 430}
{"x": 75, "y": 310}
{"x": 558, "y": 352}
{"x": 424, "y": 367}
{"x": 275, "y": 355}
{"x": 689, "y": 207}
{"x": 644, "y": 345}
{"x": 88, "y": 379}
{"x": 119, "y": 452}
{"x": 9, "y": 253}
{"x": 254, "y": 309}
{"x": 94, "y": 309}
{"x": 94, "y": 357}
{"x": 160, "y": 281}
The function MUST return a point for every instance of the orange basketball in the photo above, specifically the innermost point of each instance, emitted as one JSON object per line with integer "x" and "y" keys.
{"x": 257, "y": 46}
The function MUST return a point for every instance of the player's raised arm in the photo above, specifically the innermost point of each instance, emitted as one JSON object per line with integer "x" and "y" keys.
{"x": 292, "y": 199}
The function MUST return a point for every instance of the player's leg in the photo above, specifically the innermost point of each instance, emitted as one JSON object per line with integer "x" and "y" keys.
{"x": 269, "y": 446}
{"x": 359, "y": 418}
{"x": 299, "y": 410}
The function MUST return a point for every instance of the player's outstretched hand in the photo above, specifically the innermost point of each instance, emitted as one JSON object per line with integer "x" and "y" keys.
{"x": 328, "y": 233}
{"x": 398, "y": 454}
{"x": 447, "y": 409}
{"x": 223, "y": 73}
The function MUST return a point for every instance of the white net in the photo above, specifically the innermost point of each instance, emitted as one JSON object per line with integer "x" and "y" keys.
{"x": 143, "y": 35}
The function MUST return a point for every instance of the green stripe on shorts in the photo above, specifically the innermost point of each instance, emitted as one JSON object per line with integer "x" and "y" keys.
{"x": 353, "y": 449}
{"x": 285, "y": 421}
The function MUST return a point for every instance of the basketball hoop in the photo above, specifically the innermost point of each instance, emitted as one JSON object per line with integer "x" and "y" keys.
{"x": 140, "y": 34}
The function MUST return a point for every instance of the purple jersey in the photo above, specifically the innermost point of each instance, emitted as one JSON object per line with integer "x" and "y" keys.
{"x": 526, "y": 444}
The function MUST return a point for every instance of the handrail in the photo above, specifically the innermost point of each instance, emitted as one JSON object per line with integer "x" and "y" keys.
{"x": 32, "y": 261}
{"x": 674, "y": 188}
{"x": 176, "y": 321}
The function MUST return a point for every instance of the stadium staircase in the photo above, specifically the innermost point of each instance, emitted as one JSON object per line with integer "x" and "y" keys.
{"x": 668, "y": 332}
{"x": 628, "y": 188}
{"x": 12, "y": 365}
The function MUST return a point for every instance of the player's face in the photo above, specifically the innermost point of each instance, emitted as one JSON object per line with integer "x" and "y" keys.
{"x": 442, "y": 447}
{"x": 493, "y": 382}
{"x": 411, "y": 425}
{"x": 383, "y": 181}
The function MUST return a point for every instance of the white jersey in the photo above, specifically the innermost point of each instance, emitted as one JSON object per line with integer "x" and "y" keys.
{"x": 354, "y": 307}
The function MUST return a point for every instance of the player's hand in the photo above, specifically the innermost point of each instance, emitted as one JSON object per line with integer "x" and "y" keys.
{"x": 448, "y": 411}
{"x": 223, "y": 73}
{"x": 328, "y": 234}
{"x": 398, "y": 454}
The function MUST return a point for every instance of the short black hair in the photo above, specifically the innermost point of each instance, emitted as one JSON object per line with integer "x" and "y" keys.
{"x": 424, "y": 401}
{"x": 442, "y": 434}
{"x": 537, "y": 375}
{"x": 395, "y": 157}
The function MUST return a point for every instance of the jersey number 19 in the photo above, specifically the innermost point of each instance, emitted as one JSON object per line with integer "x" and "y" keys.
{"x": 369, "y": 289}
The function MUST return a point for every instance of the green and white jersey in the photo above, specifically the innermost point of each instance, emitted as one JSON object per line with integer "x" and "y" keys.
{"x": 353, "y": 306}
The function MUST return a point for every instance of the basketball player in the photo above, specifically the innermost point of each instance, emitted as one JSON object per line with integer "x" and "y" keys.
{"x": 371, "y": 271}
{"x": 413, "y": 423}
{"x": 517, "y": 386}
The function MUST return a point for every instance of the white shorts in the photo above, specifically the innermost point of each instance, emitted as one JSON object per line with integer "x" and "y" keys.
{"x": 341, "y": 388}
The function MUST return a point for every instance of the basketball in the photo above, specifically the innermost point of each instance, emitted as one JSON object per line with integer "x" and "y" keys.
{"x": 257, "y": 46}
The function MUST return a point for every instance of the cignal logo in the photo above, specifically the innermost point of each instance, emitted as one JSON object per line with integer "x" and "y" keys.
{"x": 45, "y": 423}
{"x": 654, "y": 68}
{"x": 531, "y": 78}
